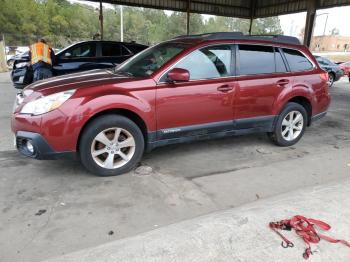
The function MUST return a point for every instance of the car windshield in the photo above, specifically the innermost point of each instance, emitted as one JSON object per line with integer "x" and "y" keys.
{"x": 151, "y": 59}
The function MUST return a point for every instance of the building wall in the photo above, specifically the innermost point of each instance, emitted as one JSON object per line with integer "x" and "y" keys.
{"x": 330, "y": 43}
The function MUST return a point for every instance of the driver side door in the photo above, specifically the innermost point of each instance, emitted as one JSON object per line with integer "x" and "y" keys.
{"x": 204, "y": 104}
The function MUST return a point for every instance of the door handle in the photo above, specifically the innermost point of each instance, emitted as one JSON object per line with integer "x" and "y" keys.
{"x": 282, "y": 82}
{"x": 225, "y": 88}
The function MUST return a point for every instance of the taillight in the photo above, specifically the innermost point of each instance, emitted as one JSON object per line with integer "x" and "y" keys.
{"x": 324, "y": 76}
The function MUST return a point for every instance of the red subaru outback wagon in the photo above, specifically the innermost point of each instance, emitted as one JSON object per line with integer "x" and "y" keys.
{"x": 189, "y": 88}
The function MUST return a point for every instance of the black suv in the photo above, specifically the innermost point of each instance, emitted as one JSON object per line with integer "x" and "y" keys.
{"x": 78, "y": 57}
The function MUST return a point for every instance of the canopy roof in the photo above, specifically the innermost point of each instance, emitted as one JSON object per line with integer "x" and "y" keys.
{"x": 232, "y": 8}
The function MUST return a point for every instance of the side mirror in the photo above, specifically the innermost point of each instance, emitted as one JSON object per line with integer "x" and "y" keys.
{"x": 67, "y": 55}
{"x": 179, "y": 75}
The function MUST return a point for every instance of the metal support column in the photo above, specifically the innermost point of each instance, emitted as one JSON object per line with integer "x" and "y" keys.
{"x": 101, "y": 20}
{"x": 121, "y": 24}
{"x": 325, "y": 26}
{"x": 188, "y": 17}
{"x": 250, "y": 26}
{"x": 252, "y": 15}
{"x": 310, "y": 21}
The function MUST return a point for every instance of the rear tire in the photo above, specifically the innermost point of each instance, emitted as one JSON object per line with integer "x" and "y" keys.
{"x": 331, "y": 78}
{"x": 290, "y": 125}
{"x": 111, "y": 145}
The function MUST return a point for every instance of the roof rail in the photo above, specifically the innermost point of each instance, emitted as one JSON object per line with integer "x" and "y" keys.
{"x": 279, "y": 38}
{"x": 214, "y": 36}
{"x": 240, "y": 36}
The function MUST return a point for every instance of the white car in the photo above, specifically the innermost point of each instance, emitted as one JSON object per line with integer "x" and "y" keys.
{"x": 11, "y": 52}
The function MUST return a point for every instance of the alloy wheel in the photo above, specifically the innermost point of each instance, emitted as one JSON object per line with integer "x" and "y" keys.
{"x": 113, "y": 148}
{"x": 292, "y": 125}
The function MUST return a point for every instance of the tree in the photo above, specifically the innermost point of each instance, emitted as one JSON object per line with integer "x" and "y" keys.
{"x": 62, "y": 22}
{"x": 269, "y": 25}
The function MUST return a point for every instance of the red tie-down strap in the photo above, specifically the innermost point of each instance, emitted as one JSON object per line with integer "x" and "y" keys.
{"x": 305, "y": 228}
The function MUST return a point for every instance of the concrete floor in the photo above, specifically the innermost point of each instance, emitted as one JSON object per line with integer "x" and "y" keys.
{"x": 238, "y": 234}
{"x": 81, "y": 210}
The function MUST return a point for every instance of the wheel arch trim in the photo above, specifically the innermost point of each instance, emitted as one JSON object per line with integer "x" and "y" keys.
{"x": 131, "y": 114}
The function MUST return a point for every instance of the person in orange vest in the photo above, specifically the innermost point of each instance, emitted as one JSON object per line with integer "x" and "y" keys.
{"x": 41, "y": 58}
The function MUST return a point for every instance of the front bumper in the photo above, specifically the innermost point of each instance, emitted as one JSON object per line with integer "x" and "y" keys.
{"x": 35, "y": 146}
{"x": 22, "y": 77}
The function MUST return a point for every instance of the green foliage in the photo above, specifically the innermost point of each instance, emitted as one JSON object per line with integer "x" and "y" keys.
{"x": 62, "y": 22}
{"x": 269, "y": 25}
{"x": 226, "y": 24}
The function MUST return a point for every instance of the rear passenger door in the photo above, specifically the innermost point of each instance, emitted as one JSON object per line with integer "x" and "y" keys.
{"x": 261, "y": 76}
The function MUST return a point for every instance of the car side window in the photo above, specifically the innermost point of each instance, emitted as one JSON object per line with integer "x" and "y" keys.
{"x": 135, "y": 48}
{"x": 255, "y": 59}
{"x": 125, "y": 51}
{"x": 111, "y": 49}
{"x": 208, "y": 62}
{"x": 296, "y": 60}
{"x": 328, "y": 62}
{"x": 81, "y": 51}
{"x": 320, "y": 61}
{"x": 280, "y": 65}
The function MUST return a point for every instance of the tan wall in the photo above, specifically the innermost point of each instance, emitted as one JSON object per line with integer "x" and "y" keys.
{"x": 330, "y": 43}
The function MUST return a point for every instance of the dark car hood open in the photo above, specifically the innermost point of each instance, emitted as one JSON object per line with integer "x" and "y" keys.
{"x": 77, "y": 80}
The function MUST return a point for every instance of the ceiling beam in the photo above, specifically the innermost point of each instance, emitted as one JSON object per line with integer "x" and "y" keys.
{"x": 263, "y": 8}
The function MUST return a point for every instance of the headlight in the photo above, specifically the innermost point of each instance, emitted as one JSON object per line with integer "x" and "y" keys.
{"x": 22, "y": 64}
{"x": 46, "y": 103}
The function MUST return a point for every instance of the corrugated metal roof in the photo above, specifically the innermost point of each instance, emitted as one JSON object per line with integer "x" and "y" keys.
{"x": 234, "y": 8}
{"x": 266, "y": 8}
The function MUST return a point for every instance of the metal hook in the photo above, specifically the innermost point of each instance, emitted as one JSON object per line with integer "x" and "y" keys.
{"x": 287, "y": 244}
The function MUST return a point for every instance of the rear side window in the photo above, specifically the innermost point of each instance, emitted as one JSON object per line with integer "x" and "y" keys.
{"x": 208, "y": 62}
{"x": 111, "y": 49}
{"x": 296, "y": 60}
{"x": 320, "y": 61}
{"x": 329, "y": 62}
{"x": 136, "y": 48}
{"x": 125, "y": 51}
{"x": 254, "y": 59}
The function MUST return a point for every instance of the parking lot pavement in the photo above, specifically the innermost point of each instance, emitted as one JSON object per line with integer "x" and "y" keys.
{"x": 237, "y": 234}
{"x": 7, "y": 96}
{"x": 48, "y": 208}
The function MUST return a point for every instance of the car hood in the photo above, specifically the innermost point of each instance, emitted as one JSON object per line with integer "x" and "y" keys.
{"x": 77, "y": 80}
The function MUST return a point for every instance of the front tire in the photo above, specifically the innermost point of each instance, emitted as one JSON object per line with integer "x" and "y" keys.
{"x": 290, "y": 125}
{"x": 111, "y": 145}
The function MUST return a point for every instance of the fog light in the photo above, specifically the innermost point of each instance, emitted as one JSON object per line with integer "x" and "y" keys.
{"x": 30, "y": 146}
